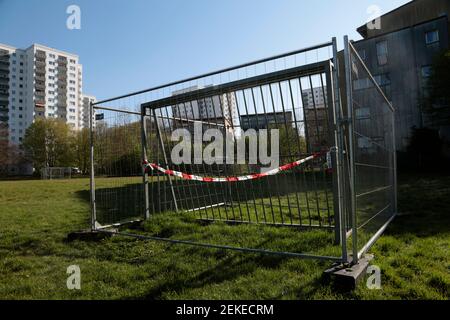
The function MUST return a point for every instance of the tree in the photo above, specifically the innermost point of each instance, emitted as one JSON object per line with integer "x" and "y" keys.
{"x": 81, "y": 148}
{"x": 10, "y": 154}
{"x": 49, "y": 142}
{"x": 436, "y": 103}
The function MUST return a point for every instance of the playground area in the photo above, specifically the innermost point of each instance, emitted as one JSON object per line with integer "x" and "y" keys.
{"x": 34, "y": 253}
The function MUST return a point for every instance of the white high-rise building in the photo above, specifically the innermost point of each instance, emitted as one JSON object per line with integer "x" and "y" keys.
{"x": 39, "y": 82}
{"x": 84, "y": 111}
{"x": 314, "y": 98}
{"x": 221, "y": 109}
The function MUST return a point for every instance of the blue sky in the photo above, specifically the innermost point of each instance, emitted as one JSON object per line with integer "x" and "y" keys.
{"x": 131, "y": 45}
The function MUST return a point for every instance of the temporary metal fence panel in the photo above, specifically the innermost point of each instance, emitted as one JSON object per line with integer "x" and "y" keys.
{"x": 134, "y": 175}
{"x": 292, "y": 101}
{"x": 371, "y": 140}
{"x": 118, "y": 175}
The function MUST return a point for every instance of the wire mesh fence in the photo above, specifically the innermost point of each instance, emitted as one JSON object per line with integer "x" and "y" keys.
{"x": 372, "y": 154}
{"x": 286, "y": 103}
{"x": 185, "y": 149}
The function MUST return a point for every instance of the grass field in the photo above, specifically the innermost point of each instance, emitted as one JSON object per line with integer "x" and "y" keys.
{"x": 36, "y": 216}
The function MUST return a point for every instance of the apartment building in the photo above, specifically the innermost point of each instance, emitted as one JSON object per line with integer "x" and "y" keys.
{"x": 400, "y": 55}
{"x": 219, "y": 109}
{"x": 266, "y": 120}
{"x": 314, "y": 98}
{"x": 84, "y": 111}
{"x": 38, "y": 82}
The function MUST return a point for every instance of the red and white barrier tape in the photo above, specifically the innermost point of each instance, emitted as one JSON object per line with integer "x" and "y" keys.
{"x": 272, "y": 172}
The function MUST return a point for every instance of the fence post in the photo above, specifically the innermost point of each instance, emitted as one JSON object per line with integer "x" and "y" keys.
{"x": 339, "y": 157}
{"x": 144, "y": 159}
{"x": 92, "y": 174}
{"x": 351, "y": 139}
{"x": 394, "y": 152}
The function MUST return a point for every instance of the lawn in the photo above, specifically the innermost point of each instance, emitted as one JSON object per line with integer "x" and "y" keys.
{"x": 36, "y": 216}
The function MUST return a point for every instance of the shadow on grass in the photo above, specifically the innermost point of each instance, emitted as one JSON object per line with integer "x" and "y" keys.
{"x": 424, "y": 206}
{"x": 118, "y": 201}
{"x": 226, "y": 269}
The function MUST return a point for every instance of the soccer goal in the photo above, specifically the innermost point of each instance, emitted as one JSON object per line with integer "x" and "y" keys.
{"x": 50, "y": 173}
{"x": 274, "y": 143}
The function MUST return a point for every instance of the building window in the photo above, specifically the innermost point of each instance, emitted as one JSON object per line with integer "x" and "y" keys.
{"x": 362, "y": 113}
{"x": 426, "y": 71}
{"x": 384, "y": 81}
{"x": 382, "y": 53}
{"x": 432, "y": 37}
{"x": 362, "y": 54}
{"x": 360, "y": 84}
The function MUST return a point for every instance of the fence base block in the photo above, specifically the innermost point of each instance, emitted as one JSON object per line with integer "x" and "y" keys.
{"x": 346, "y": 278}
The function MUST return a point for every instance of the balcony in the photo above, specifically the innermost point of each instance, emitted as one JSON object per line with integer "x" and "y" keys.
{"x": 62, "y": 101}
{"x": 61, "y": 114}
{"x": 40, "y": 64}
{"x": 40, "y": 69}
{"x": 40, "y": 54}
{"x": 39, "y": 99}
{"x": 39, "y": 78}
{"x": 39, "y": 108}
{"x": 39, "y": 87}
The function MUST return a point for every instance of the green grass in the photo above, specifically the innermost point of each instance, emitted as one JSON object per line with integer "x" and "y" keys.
{"x": 36, "y": 216}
